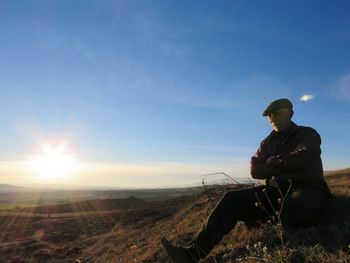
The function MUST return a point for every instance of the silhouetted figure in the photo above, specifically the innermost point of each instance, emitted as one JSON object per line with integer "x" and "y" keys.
{"x": 289, "y": 160}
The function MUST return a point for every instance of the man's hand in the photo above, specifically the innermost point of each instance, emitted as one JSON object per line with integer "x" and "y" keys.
{"x": 274, "y": 161}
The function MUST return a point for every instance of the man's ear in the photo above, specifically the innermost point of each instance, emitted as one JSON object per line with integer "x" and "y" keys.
{"x": 291, "y": 113}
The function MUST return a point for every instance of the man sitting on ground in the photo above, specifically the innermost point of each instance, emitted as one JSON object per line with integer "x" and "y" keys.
{"x": 289, "y": 159}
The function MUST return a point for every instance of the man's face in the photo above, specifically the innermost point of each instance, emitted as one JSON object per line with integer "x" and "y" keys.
{"x": 280, "y": 119}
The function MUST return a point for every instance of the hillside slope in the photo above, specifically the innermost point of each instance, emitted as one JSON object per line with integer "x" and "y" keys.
{"x": 326, "y": 241}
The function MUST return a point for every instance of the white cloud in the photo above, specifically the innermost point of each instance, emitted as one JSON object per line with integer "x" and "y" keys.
{"x": 306, "y": 97}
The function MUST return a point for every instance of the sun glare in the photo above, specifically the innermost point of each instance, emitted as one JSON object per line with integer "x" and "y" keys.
{"x": 54, "y": 164}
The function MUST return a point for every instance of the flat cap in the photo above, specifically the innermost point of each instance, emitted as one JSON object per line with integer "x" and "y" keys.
{"x": 278, "y": 104}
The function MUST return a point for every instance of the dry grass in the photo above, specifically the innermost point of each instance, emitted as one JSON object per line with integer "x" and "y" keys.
{"x": 133, "y": 235}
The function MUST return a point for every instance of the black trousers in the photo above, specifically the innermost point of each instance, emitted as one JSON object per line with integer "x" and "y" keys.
{"x": 300, "y": 206}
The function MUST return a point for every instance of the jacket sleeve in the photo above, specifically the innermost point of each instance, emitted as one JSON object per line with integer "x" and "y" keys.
{"x": 258, "y": 167}
{"x": 304, "y": 153}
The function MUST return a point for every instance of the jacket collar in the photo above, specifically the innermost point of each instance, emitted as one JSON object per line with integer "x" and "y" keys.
{"x": 285, "y": 134}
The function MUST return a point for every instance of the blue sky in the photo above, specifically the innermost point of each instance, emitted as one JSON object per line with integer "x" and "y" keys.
{"x": 155, "y": 93}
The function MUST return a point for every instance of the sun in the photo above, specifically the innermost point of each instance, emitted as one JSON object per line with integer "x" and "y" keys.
{"x": 53, "y": 164}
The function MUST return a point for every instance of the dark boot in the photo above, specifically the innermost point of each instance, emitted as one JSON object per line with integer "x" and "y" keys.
{"x": 178, "y": 254}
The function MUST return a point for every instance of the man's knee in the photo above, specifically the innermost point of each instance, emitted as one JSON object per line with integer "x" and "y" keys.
{"x": 229, "y": 196}
{"x": 238, "y": 197}
{"x": 297, "y": 211}
{"x": 241, "y": 202}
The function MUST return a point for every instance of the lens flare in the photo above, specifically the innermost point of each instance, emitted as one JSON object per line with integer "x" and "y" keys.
{"x": 53, "y": 164}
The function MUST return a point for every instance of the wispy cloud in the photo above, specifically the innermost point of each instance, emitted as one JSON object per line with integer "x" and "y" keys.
{"x": 341, "y": 87}
{"x": 236, "y": 95}
{"x": 145, "y": 174}
{"x": 157, "y": 174}
{"x": 79, "y": 45}
{"x": 307, "y": 97}
{"x": 14, "y": 172}
{"x": 82, "y": 49}
{"x": 221, "y": 148}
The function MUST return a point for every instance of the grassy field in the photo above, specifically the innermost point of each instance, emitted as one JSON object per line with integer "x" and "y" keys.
{"x": 131, "y": 234}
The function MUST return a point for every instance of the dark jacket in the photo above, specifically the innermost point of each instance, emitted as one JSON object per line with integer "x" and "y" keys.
{"x": 294, "y": 154}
